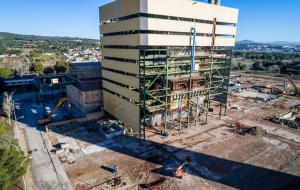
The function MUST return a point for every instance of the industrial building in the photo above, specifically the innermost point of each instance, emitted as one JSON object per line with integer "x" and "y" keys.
{"x": 86, "y": 93}
{"x": 165, "y": 62}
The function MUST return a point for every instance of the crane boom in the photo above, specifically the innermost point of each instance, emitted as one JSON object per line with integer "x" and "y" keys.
{"x": 296, "y": 90}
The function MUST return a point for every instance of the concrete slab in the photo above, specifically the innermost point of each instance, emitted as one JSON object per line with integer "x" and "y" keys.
{"x": 98, "y": 147}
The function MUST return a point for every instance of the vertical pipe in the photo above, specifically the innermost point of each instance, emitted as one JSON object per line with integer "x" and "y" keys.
{"x": 192, "y": 69}
{"x": 193, "y": 31}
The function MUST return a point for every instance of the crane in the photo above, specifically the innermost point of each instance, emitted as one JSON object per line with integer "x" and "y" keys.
{"x": 58, "y": 105}
{"x": 296, "y": 90}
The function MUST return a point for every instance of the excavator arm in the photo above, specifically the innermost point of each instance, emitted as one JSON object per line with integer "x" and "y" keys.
{"x": 296, "y": 90}
{"x": 47, "y": 119}
{"x": 59, "y": 104}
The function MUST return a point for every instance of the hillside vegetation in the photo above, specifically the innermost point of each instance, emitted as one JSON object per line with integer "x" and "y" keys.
{"x": 15, "y": 43}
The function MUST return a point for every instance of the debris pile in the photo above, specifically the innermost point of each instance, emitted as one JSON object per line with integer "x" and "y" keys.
{"x": 65, "y": 153}
{"x": 111, "y": 128}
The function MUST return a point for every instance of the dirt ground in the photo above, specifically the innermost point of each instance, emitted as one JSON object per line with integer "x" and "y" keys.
{"x": 221, "y": 159}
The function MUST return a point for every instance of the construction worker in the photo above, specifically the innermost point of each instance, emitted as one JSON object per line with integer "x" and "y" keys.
{"x": 178, "y": 173}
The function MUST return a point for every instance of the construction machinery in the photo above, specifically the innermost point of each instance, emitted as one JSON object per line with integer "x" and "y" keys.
{"x": 268, "y": 85}
{"x": 242, "y": 129}
{"x": 290, "y": 119}
{"x": 296, "y": 90}
{"x": 59, "y": 104}
{"x": 178, "y": 172}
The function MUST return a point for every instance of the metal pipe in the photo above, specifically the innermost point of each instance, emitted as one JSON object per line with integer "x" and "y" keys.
{"x": 193, "y": 31}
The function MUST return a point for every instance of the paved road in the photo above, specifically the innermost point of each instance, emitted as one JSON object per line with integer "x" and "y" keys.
{"x": 44, "y": 173}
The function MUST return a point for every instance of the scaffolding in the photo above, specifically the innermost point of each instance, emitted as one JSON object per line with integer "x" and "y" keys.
{"x": 167, "y": 76}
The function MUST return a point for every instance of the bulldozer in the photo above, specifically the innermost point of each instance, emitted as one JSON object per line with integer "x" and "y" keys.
{"x": 48, "y": 118}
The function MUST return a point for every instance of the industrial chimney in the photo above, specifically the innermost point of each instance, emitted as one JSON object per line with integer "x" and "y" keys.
{"x": 215, "y": 2}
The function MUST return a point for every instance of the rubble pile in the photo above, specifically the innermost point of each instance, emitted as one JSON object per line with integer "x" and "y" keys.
{"x": 65, "y": 153}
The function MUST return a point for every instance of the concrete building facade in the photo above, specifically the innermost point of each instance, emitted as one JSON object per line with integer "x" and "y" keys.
{"x": 86, "y": 93}
{"x": 165, "y": 60}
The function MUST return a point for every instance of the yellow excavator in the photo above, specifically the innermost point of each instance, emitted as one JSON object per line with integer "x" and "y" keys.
{"x": 59, "y": 104}
{"x": 296, "y": 90}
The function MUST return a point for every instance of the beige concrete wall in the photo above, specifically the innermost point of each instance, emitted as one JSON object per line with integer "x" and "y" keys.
{"x": 224, "y": 41}
{"x": 121, "y": 53}
{"x": 121, "y": 78}
{"x": 125, "y": 25}
{"x": 190, "y": 9}
{"x": 178, "y": 8}
{"x": 184, "y": 26}
{"x": 228, "y": 30}
{"x": 86, "y": 102}
{"x": 172, "y": 40}
{"x": 132, "y": 39}
{"x": 118, "y": 9}
{"x": 161, "y": 40}
{"x": 125, "y": 92}
{"x": 132, "y": 68}
{"x": 165, "y": 25}
{"x": 122, "y": 109}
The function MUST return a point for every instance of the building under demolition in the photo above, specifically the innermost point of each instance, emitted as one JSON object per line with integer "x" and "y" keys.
{"x": 86, "y": 93}
{"x": 165, "y": 61}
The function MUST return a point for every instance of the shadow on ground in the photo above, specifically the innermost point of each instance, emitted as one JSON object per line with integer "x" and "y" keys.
{"x": 230, "y": 173}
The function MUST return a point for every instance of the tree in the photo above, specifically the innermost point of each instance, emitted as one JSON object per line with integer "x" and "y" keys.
{"x": 258, "y": 66}
{"x": 13, "y": 165}
{"x": 241, "y": 66}
{"x": 37, "y": 68}
{"x": 6, "y": 72}
{"x": 48, "y": 70}
{"x": 8, "y": 105}
{"x": 61, "y": 67}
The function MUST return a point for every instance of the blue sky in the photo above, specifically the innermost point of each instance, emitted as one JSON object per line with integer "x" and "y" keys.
{"x": 259, "y": 20}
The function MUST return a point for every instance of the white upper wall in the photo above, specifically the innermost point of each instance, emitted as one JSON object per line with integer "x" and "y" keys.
{"x": 175, "y": 8}
{"x": 178, "y": 8}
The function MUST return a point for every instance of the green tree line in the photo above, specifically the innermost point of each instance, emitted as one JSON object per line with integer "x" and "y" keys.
{"x": 13, "y": 162}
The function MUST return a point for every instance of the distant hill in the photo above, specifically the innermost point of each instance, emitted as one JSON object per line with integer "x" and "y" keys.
{"x": 285, "y": 43}
{"x": 12, "y": 36}
{"x": 246, "y": 42}
{"x": 250, "y": 42}
{"x": 16, "y": 43}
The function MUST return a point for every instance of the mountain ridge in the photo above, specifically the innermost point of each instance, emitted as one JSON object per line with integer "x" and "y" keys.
{"x": 9, "y": 35}
{"x": 245, "y": 42}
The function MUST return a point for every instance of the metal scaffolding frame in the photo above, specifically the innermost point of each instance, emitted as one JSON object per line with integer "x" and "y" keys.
{"x": 159, "y": 64}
